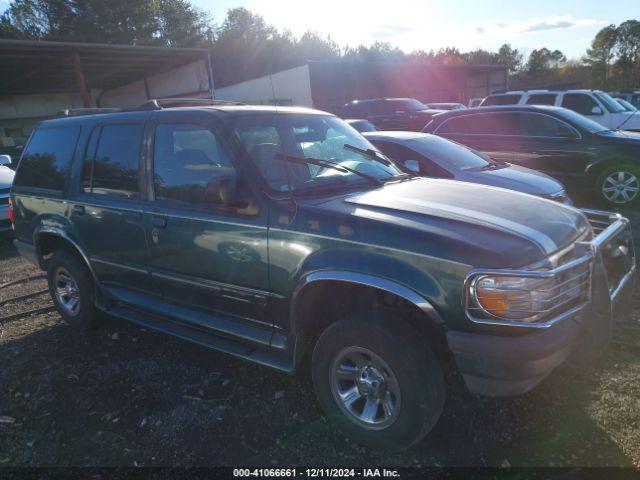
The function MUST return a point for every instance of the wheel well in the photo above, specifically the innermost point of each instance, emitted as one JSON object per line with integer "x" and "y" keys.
{"x": 597, "y": 169}
{"x": 324, "y": 302}
{"x": 47, "y": 243}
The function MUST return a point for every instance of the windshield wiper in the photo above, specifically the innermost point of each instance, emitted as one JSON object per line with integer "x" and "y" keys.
{"x": 326, "y": 164}
{"x": 372, "y": 154}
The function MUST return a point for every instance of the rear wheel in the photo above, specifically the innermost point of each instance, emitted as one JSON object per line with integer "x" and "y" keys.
{"x": 378, "y": 380}
{"x": 72, "y": 290}
{"x": 619, "y": 186}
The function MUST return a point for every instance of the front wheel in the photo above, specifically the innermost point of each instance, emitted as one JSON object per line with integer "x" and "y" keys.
{"x": 619, "y": 186}
{"x": 378, "y": 380}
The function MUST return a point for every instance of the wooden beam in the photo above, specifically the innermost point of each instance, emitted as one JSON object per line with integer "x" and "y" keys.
{"x": 82, "y": 84}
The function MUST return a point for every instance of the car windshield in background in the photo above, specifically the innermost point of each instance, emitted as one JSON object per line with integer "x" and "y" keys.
{"x": 272, "y": 140}
{"x": 609, "y": 103}
{"x": 580, "y": 120}
{"x": 501, "y": 100}
{"x": 405, "y": 104}
{"x": 447, "y": 153}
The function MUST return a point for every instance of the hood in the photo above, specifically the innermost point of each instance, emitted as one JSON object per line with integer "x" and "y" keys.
{"x": 514, "y": 177}
{"x": 6, "y": 176}
{"x": 623, "y": 120}
{"x": 472, "y": 224}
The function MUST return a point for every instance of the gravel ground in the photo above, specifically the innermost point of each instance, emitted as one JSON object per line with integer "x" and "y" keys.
{"x": 125, "y": 396}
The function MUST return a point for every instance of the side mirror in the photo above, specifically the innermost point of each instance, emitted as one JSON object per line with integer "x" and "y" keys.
{"x": 413, "y": 165}
{"x": 596, "y": 111}
{"x": 5, "y": 160}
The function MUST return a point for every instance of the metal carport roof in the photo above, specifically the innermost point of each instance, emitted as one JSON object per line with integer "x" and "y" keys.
{"x": 52, "y": 67}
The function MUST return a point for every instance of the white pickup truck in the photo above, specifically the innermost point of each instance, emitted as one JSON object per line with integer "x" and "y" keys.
{"x": 594, "y": 104}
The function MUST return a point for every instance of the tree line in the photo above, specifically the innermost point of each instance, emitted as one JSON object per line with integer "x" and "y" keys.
{"x": 244, "y": 46}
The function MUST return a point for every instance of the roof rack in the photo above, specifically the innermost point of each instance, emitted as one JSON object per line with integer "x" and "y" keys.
{"x": 77, "y": 112}
{"x": 160, "y": 103}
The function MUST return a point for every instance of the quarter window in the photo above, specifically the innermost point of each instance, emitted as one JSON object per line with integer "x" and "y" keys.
{"x": 46, "y": 159}
{"x": 112, "y": 161}
{"x": 187, "y": 159}
{"x": 579, "y": 102}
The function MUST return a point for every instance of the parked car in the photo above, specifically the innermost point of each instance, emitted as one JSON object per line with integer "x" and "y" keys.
{"x": 277, "y": 234}
{"x": 361, "y": 125}
{"x": 631, "y": 96}
{"x": 446, "y": 106}
{"x": 626, "y": 105}
{"x": 594, "y": 104}
{"x": 436, "y": 157}
{"x": 391, "y": 113}
{"x": 6, "y": 178}
{"x": 580, "y": 153}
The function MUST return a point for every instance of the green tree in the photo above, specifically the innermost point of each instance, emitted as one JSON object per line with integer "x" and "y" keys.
{"x": 542, "y": 61}
{"x": 628, "y": 51}
{"x": 510, "y": 57}
{"x": 601, "y": 53}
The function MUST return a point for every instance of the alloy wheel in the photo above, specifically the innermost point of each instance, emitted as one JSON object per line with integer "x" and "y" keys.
{"x": 67, "y": 292}
{"x": 365, "y": 388}
{"x": 621, "y": 187}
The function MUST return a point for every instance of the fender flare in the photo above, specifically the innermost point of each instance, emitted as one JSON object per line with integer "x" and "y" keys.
{"x": 58, "y": 232}
{"x": 374, "y": 281}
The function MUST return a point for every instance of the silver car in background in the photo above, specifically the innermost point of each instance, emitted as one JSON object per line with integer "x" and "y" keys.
{"x": 6, "y": 179}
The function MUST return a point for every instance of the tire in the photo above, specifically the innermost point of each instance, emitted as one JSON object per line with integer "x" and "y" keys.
{"x": 626, "y": 176}
{"x": 67, "y": 272}
{"x": 395, "y": 351}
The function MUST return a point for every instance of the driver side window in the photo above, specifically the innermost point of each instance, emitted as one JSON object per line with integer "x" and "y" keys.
{"x": 187, "y": 158}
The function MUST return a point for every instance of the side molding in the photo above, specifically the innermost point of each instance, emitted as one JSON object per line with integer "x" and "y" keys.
{"x": 371, "y": 281}
{"x": 48, "y": 230}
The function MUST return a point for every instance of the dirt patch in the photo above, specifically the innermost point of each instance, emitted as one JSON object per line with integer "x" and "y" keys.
{"x": 125, "y": 396}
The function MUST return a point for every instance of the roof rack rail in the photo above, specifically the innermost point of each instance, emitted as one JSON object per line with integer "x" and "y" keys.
{"x": 76, "y": 112}
{"x": 160, "y": 103}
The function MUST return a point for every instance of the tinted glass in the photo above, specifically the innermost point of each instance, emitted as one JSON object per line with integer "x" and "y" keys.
{"x": 400, "y": 105}
{"x": 579, "y": 102}
{"x": 46, "y": 159}
{"x": 533, "y": 125}
{"x": 541, "y": 99}
{"x": 117, "y": 161}
{"x": 580, "y": 121}
{"x": 187, "y": 159}
{"x": 501, "y": 100}
{"x": 87, "y": 164}
{"x": 481, "y": 124}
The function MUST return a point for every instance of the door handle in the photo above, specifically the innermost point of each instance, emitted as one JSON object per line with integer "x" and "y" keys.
{"x": 158, "y": 221}
{"x": 79, "y": 209}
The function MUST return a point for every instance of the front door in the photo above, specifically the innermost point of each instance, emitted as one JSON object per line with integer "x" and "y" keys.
{"x": 202, "y": 254}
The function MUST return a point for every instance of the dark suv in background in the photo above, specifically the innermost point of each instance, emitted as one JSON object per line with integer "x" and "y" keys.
{"x": 391, "y": 113}
{"x": 275, "y": 234}
{"x": 579, "y": 152}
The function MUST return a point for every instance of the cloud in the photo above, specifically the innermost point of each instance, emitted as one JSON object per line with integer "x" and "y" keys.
{"x": 534, "y": 25}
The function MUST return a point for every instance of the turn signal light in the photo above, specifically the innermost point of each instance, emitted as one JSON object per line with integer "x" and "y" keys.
{"x": 11, "y": 214}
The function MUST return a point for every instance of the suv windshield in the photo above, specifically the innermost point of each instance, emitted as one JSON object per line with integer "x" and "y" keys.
{"x": 609, "y": 103}
{"x": 269, "y": 139}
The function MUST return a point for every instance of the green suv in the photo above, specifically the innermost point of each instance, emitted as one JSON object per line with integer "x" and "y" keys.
{"x": 281, "y": 234}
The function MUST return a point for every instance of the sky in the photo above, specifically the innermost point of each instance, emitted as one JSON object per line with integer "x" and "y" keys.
{"x": 568, "y": 25}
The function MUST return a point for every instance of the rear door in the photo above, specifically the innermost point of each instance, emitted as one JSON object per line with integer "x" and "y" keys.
{"x": 107, "y": 211}
{"x": 549, "y": 145}
{"x": 490, "y": 133}
{"x": 203, "y": 255}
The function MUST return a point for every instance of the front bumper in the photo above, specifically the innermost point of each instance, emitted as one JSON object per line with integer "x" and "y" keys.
{"x": 498, "y": 365}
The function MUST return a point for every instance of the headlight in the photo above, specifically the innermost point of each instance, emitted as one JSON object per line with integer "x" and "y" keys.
{"x": 513, "y": 298}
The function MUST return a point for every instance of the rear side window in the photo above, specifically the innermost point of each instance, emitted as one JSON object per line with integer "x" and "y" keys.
{"x": 541, "y": 99}
{"x": 112, "y": 161}
{"x": 46, "y": 159}
{"x": 501, "y": 100}
{"x": 481, "y": 124}
{"x": 579, "y": 102}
